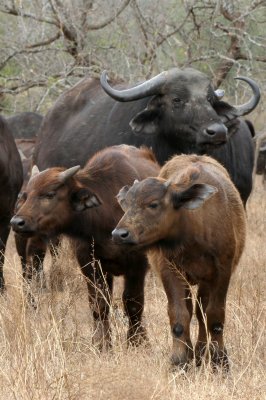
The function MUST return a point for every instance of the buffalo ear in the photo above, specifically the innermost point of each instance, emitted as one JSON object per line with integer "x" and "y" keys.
{"x": 194, "y": 196}
{"x": 122, "y": 195}
{"x": 145, "y": 122}
{"x": 83, "y": 199}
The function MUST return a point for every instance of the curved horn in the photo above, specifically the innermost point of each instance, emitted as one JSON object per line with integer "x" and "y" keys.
{"x": 253, "y": 102}
{"x": 34, "y": 171}
{"x": 147, "y": 88}
{"x": 65, "y": 175}
{"x": 219, "y": 94}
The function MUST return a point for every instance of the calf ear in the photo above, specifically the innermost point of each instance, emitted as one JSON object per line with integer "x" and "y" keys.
{"x": 194, "y": 196}
{"x": 122, "y": 195}
{"x": 145, "y": 122}
{"x": 83, "y": 199}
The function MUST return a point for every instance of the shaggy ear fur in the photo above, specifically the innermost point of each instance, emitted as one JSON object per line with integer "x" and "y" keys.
{"x": 194, "y": 196}
{"x": 122, "y": 195}
{"x": 83, "y": 199}
{"x": 145, "y": 122}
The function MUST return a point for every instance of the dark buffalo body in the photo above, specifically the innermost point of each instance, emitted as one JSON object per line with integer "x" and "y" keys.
{"x": 82, "y": 204}
{"x": 261, "y": 161}
{"x": 24, "y": 125}
{"x": 11, "y": 178}
{"x": 176, "y": 112}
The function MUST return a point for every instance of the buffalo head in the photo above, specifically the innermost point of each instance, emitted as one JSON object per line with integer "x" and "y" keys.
{"x": 151, "y": 208}
{"x": 50, "y": 202}
{"x": 184, "y": 107}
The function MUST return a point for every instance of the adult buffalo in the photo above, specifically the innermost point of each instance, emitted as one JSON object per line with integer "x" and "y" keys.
{"x": 24, "y": 125}
{"x": 11, "y": 178}
{"x": 176, "y": 112}
{"x": 261, "y": 158}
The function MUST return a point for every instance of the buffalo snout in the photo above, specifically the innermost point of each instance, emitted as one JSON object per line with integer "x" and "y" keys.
{"x": 214, "y": 134}
{"x": 20, "y": 225}
{"x": 122, "y": 236}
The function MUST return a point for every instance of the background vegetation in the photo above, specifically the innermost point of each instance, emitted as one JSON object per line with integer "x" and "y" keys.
{"x": 47, "y": 353}
{"x": 47, "y": 45}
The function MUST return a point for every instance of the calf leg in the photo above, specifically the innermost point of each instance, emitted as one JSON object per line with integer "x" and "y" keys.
{"x": 36, "y": 249}
{"x": 215, "y": 313}
{"x": 100, "y": 287}
{"x": 133, "y": 300}
{"x": 201, "y": 305}
{"x": 177, "y": 292}
{"x": 21, "y": 246}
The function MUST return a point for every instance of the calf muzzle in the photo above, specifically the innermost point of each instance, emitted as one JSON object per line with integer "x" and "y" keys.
{"x": 122, "y": 236}
{"x": 20, "y": 225}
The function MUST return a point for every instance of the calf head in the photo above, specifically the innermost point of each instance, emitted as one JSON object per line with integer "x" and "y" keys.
{"x": 154, "y": 210}
{"x": 50, "y": 202}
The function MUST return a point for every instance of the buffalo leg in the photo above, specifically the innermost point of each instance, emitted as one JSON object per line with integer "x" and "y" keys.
{"x": 179, "y": 311}
{"x": 215, "y": 313}
{"x": 21, "y": 246}
{"x": 201, "y": 305}
{"x": 36, "y": 249}
{"x": 133, "y": 300}
{"x": 4, "y": 232}
{"x": 100, "y": 287}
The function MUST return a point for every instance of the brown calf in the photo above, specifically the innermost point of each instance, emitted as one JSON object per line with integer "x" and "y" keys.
{"x": 191, "y": 221}
{"x": 83, "y": 205}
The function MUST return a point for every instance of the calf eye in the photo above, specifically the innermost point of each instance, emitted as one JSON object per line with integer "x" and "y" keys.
{"x": 49, "y": 195}
{"x": 153, "y": 205}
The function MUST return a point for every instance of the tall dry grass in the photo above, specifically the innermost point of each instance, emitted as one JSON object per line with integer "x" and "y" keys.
{"x": 47, "y": 353}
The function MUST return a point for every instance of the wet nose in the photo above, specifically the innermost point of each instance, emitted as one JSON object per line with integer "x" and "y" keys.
{"x": 216, "y": 133}
{"x": 18, "y": 223}
{"x": 122, "y": 236}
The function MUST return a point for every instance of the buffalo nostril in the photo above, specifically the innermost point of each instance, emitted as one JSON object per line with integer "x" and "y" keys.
{"x": 124, "y": 234}
{"x": 217, "y": 130}
{"x": 211, "y": 132}
{"x": 120, "y": 233}
{"x": 21, "y": 223}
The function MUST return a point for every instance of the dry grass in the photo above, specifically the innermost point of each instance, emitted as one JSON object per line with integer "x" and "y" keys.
{"x": 47, "y": 354}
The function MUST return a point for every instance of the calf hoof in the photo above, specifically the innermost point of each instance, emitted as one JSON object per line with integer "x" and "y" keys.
{"x": 137, "y": 336}
{"x": 219, "y": 359}
{"x": 101, "y": 338}
{"x": 2, "y": 286}
{"x": 179, "y": 364}
{"x": 200, "y": 353}
{"x": 182, "y": 361}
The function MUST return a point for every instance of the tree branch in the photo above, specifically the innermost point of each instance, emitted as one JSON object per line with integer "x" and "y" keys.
{"x": 103, "y": 24}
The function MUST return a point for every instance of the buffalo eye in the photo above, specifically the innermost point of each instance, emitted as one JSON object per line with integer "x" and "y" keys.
{"x": 176, "y": 101}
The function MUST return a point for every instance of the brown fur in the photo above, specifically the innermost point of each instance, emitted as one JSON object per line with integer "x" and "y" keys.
{"x": 85, "y": 208}
{"x": 192, "y": 223}
{"x": 11, "y": 178}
